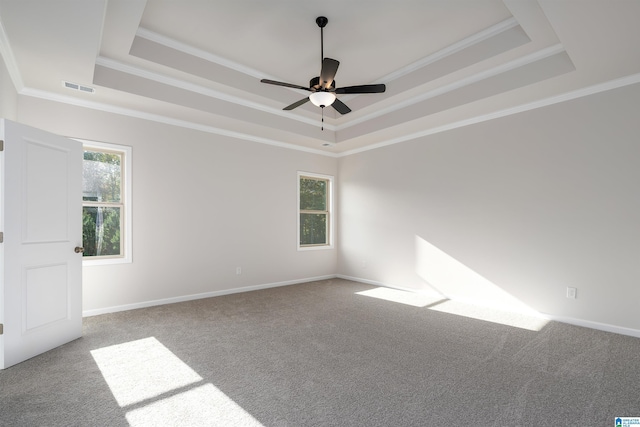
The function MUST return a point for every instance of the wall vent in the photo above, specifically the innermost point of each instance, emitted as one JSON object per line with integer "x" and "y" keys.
{"x": 75, "y": 86}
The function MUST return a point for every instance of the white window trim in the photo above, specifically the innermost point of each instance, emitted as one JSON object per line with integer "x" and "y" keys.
{"x": 332, "y": 216}
{"x": 126, "y": 188}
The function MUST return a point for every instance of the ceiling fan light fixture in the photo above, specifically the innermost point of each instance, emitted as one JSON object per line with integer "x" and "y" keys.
{"x": 323, "y": 87}
{"x": 322, "y": 99}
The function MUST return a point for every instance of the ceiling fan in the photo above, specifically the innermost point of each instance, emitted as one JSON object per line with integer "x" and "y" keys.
{"x": 323, "y": 88}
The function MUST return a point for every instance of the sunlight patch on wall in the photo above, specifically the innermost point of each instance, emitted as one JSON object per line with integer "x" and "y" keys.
{"x": 457, "y": 282}
{"x": 403, "y": 297}
{"x": 158, "y": 388}
{"x": 508, "y": 318}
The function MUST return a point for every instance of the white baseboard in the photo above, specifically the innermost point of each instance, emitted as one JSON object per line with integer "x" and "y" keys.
{"x": 569, "y": 320}
{"x": 562, "y": 319}
{"x": 144, "y": 304}
{"x": 595, "y": 325}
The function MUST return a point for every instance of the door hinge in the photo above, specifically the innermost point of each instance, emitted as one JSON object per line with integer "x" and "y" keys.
{"x": 1, "y": 328}
{"x": 1, "y": 145}
{"x": 1, "y": 237}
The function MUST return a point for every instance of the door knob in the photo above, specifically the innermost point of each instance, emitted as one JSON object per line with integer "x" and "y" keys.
{"x": 78, "y": 250}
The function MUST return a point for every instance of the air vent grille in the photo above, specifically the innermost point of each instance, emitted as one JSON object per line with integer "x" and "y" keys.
{"x": 75, "y": 86}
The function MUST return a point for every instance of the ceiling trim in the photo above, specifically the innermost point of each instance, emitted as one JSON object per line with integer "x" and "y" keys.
{"x": 203, "y": 54}
{"x": 516, "y": 63}
{"x": 456, "y": 47}
{"x": 10, "y": 60}
{"x": 195, "y": 88}
{"x": 591, "y": 90}
{"x": 451, "y": 49}
{"x": 108, "y": 108}
{"x": 568, "y": 96}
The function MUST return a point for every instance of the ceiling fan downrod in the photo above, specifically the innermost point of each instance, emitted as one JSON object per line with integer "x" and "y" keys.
{"x": 322, "y": 22}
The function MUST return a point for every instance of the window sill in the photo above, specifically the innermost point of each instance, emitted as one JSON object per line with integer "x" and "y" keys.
{"x": 105, "y": 261}
{"x": 315, "y": 248}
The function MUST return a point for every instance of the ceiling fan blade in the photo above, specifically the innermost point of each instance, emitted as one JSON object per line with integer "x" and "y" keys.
{"x": 340, "y": 107}
{"x": 273, "y": 82}
{"x": 328, "y": 72}
{"x": 378, "y": 88}
{"x": 297, "y": 104}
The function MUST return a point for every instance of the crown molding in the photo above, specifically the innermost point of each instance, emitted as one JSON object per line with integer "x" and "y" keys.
{"x": 202, "y": 54}
{"x": 451, "y": 49}
{"x": 128, "y": 112}
{"x": 568, "y": 96}
{"x": 520, "y": 62}
{"x": 9, "y": 59}
{"x": 195, "y": 88}
{"x": 443, "y": 53}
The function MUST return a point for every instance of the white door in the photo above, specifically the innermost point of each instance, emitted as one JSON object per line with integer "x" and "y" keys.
{"x": 40, "y": 217}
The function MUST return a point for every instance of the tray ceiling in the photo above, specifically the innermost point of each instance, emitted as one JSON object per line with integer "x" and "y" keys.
{"x": 198, "y": 63}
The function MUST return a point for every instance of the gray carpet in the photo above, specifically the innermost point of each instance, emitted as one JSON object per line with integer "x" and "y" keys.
{"x": 319, "y": 354}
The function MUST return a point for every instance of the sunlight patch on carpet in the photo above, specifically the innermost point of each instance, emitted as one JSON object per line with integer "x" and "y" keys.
{"x": 523, "y": 320}
{"x": 403, "y": 297}
{"x": 517, "y": 320}
{"x": 140, "y": 370}
{"x": 205, "y": 405}
{"x": 158, "y": 388}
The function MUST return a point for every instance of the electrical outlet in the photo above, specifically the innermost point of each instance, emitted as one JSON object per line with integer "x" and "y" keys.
{"x": 238, "y": 270}
{"x": 571, "y": 292}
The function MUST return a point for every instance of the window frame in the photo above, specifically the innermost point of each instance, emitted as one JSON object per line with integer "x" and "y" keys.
{"x": 125, "y": 215}
{"x": 331, "y": 224}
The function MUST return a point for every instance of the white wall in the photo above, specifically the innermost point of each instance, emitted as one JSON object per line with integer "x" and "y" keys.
{"x": 202, "y": 205}
{"x": 508, "y": 211}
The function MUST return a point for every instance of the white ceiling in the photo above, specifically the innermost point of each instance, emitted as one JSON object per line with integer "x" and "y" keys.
{"x": 198, "y": 63}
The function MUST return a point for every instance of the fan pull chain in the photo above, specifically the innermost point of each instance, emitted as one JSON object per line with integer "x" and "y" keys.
{"x": 322, "y": 126}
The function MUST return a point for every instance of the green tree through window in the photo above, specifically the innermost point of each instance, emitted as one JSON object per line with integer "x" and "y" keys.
{"x": 314, "y": 211}
{"x": 102, "y": 205}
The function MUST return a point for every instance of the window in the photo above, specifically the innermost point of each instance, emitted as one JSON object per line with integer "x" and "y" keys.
{"x": 106, "y": 207}
{"x": 315, "y": 230}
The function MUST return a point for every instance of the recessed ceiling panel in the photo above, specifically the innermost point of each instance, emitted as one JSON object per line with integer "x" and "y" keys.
{"x": 371, "y": 38}
{"x": 515, "y": 78}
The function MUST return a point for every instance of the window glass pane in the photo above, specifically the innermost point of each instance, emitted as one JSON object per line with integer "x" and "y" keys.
{"x": 101, "y": 177}
{"x": 313, "y": 229}
{"x": 313, "y": 194}
{"x": 100, "y": 231}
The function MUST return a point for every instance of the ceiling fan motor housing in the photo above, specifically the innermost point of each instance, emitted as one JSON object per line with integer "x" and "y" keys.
{"x": 314, "y": 83}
